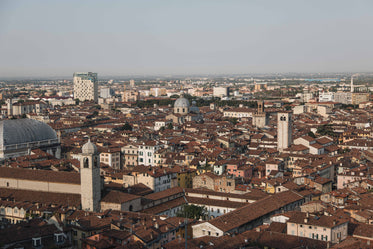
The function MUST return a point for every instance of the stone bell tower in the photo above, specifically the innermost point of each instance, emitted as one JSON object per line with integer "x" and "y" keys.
{"x": 90, "y": 179}
{"x": 284, "y": 131}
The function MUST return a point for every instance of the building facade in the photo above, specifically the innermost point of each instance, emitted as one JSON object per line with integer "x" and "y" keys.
{"x": 86, "y": 86}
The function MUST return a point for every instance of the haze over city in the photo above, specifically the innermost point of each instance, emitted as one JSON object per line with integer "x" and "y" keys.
{"x": 186, "y": 124}
{"x": 118, "y": 38}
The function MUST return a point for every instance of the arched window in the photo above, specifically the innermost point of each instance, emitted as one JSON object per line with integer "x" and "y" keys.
{"x": 130, "y": 208}
{"x": 85, "y": 163}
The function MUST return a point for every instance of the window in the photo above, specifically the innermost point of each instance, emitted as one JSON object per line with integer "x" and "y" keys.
{"x": 58, "y": 237}
{"x": 36, "y": 242}
{"x": 209, "y": 233}
{"x": 85, "y": 163}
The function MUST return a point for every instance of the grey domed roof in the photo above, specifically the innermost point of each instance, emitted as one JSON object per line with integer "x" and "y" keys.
{"x": 89, "y": 148}
{"x": 181, "y": 102}
{"x": 18, "y": 131}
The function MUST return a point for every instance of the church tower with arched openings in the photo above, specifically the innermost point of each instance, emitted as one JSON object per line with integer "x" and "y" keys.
{"x": 90, "y": 179}
{"x": 284, "y": 131}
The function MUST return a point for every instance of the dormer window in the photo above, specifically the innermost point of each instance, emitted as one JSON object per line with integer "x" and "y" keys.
{"x": 59, "y": 237}
{"x": 36, "y": 242}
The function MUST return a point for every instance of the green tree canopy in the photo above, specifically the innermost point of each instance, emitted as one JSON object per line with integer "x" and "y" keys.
{"x": 325, "y": 129}
{"x": 127, "y": 127}
{"x": 192, "y": 212}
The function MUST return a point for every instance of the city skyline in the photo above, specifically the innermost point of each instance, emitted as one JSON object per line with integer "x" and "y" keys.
{"x": 46, "y": 39}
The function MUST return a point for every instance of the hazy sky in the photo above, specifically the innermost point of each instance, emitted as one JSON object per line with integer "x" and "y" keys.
{"x": 49, "y": 38}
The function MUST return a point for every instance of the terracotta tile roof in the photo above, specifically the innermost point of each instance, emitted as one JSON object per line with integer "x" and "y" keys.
{"x": 40, "y": 175}
{"x": 250, "y": 212}
{"x": 72, "y": 200}
{"x": 118, "y": 197}
{"x": 165, "y": 193}
{"x": 322, "y": 221}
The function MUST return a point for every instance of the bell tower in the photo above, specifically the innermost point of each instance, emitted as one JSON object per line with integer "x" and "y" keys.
{"x": 284, "y": 131}
{"x": 90, "y": 179}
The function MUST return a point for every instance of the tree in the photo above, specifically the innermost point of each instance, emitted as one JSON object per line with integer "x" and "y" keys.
{"x": 170, "y": 126}
{"x": 288, "y": 108}
{"x": 311, "y": 134}
{"x": 127, "y": 127}
{"x": 192, "y": 212}
{"x": 234, "y": 121}
{"x": 77, "y": 101}
{"x": 325, "y": 129}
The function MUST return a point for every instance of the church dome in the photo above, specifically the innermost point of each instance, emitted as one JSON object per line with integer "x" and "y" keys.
{"x": 22, "y": 131}
{"x": 89, "y": 148}
{"x": 194, "y": 108}
{"x": 182, "y": 102}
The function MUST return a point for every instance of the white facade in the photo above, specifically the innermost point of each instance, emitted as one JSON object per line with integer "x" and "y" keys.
{"x": 284, "y": 131}
{"x": 111, "y": 158}
{"x": 146, "y": 154}
{"x": 206, "y": 229}
{"x": 299, "y": 109}
{"x": 221, "y": 91}
{"x": 326, "y": 96}
{"x": 86, "y": 86}
{"x": 159, "y": 124}
{"x": 333, "y": 234}
{"x": 156, "y": 183}
{"x": 219, "y": 169}
{"x": 238, "y": 113}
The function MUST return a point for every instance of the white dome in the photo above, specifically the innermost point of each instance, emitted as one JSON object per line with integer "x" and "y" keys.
{"x": 182, "y": 102}
{"x": 89, "y": 148}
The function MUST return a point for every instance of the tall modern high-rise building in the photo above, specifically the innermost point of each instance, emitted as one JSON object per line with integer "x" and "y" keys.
{"x": 284, "y": 131}
{"x": 86, "y": 86}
